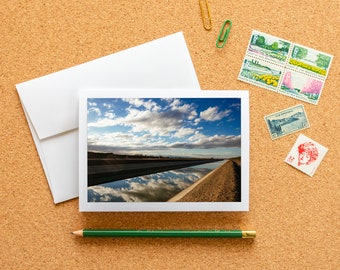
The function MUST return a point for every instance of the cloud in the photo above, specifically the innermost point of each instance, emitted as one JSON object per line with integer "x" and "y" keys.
{"x": 103, "y": 122}
{"x": 197, "y": 121}
{"x": 134, "y": 101}
{"x": 110, "y": 139}
{"x": 205, "y": 142}
{"x": 212, "y": 114}
{"x": 129, "y": 142}
{"x": 235, "y": 105}
{"x": 188, "y": 109}
{"x": 109, "y": 114}
{"x": 107, "y": 106}
{"x": 183, "y": 132}
{"x": 125, "y": 142}
{"x": 161, "y": 123}
{"x": 94, "y": 110}
{"x": 147, "y": 116}
{"x": 148, "y": 104}
{"x": 135, "y": 129}
{"x": 157, "y": 123}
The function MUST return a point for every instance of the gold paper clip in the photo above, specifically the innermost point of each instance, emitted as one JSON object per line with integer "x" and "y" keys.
{"x": 224, "y": 33}
{"x": 205, "y": 12}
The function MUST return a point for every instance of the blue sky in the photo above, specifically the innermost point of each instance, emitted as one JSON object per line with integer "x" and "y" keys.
{"x": 191, "y": 127}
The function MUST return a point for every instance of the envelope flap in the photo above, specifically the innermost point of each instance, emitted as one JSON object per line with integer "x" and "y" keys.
{"x": 51, "y": 101}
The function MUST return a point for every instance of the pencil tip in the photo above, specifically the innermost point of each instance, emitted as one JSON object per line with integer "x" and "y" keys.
{"x": 78, "y": 233}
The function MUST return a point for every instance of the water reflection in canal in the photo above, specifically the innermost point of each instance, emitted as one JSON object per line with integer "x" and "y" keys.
{"x": 158, "y": 187}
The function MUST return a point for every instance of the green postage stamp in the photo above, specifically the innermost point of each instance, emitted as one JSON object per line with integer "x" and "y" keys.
{"x": 284, "y": 67}
{"x": 286, "y": 121}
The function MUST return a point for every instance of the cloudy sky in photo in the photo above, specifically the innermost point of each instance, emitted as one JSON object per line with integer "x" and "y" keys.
{"x": 190, "y": 127}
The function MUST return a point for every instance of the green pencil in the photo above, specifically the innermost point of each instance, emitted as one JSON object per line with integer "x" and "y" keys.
{"x": 165, "y": 233}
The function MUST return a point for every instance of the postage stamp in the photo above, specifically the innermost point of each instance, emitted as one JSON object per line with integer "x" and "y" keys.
{"x": 301, "y": 86}
{"x": 260, "y": 73}
{"x": 287, "y": 68}
{"x": 306, "y": 155}
{"x": 269, "y": 47}
{"x": 286, "y": 121}
{"x": 307, "y": 59}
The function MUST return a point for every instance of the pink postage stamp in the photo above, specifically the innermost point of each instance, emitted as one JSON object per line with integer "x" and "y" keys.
{"x": 301, "y": 86}
{"x": 306, "y": 155}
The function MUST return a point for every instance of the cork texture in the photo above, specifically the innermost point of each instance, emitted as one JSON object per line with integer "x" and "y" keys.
{"x": 296, "y": 216}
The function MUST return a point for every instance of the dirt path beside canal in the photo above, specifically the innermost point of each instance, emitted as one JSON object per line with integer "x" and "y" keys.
{"x": 221, "y": 185}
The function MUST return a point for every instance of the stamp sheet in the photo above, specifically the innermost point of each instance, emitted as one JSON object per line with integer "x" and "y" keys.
{"x": 285, "y": 67}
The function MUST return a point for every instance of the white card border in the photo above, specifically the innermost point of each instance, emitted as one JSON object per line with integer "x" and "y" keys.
{"x": 85, "y": 206}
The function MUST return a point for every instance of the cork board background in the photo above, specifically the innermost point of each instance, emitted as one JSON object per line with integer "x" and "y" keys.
{"x": 296, "y": 216}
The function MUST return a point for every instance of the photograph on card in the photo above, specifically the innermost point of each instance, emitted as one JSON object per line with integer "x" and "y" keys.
{"x": 164, "y": 149}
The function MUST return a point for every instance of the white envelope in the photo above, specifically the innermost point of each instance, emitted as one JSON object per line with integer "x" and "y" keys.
{"x": 50, "y": 102}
